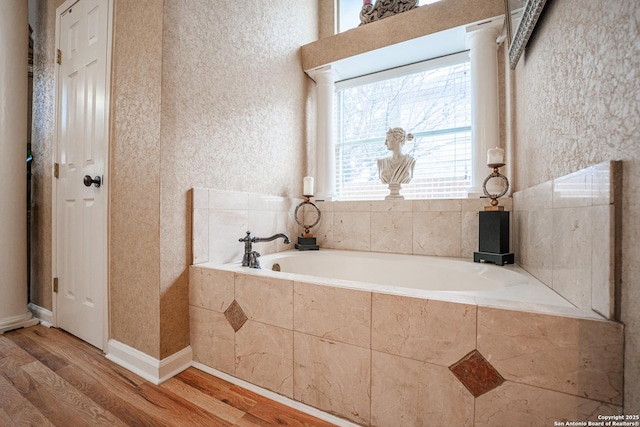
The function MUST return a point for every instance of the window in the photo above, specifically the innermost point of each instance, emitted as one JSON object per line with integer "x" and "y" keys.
{"x": 431, "y": 100}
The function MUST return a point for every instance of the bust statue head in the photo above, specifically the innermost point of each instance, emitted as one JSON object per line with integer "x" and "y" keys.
{"x": 396, "y": 138}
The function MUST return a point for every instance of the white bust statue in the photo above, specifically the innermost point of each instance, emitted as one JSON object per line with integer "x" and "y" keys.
{"x": 396, "y": 169}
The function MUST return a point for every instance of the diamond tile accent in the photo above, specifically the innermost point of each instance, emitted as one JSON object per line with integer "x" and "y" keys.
{"x": 476, "y": 373}
{"x": 235, "y": 316}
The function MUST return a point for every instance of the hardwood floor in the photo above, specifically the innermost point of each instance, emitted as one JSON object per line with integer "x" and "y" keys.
{"x": 50, "y": 378}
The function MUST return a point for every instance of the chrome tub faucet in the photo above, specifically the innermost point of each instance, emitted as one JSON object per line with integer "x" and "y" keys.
{"x": 250, "y": 257}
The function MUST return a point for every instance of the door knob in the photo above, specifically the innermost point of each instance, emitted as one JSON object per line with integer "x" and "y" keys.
{"x": 88, "y": 181}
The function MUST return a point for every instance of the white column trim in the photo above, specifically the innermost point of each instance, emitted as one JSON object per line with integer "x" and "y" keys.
{"x": 16, "y": 322}
{"x": 485, "y": 109}
{"x": 151, "y": 369}
{"x": 325, "y": 78}
{"x": 14, "y": 42}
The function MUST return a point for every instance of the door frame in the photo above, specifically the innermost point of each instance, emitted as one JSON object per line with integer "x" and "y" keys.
{"x": 106, "y": 174}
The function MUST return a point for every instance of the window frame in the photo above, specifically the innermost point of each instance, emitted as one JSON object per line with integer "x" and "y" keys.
{"x": 400, "y": 71}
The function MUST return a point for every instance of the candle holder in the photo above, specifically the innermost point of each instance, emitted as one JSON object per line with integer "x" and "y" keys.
{"x": 494, "y": 197}
{"x": 306, "y": 242}
{"x": 493, "y": 235}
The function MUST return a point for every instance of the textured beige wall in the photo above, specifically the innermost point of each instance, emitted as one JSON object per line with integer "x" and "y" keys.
{"x": 577, "y": 104}
{"x": 43, "y": 14}
{"x": 326, "y": 18}
{"x": 134, "y": 237}
{"x": 234, "y": 102}
{"x": 202, "y": 94}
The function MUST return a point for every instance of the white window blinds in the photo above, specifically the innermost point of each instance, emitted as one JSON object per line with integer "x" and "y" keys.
{"x": 431, "y": 100}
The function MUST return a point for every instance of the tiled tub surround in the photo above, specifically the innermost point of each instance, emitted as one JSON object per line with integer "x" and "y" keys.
{"x": 446, "y": 227}
{"x": 421, "y": 227}
{"x": 385, "y": 360}
{"x": 376, "y": 358}
{"x": 220, "y": 218}
{"x": 565, "y": 235}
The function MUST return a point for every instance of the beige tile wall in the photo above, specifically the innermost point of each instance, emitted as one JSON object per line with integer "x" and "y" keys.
{"x": 381, "y": 360}
{"x": 220, "y": 218}
{"x": 422, "y": 227}
{"x": 565, "y": 235}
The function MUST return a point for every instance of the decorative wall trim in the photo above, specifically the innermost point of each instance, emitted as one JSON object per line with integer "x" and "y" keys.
{"x": 530, "y": 16}
{"x": 310, "y": 410}
{"x": 45, "y": 316}
{"x": 384, "y": 9}
{"x": 149, "y": 368}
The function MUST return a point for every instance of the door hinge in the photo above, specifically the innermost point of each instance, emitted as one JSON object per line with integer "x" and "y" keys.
{"x": 56, "y": 170}
{"x": 58, "y": 56}
{"x": 55, "y": 284}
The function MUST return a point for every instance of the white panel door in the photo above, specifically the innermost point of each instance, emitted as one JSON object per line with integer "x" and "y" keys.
{"x": 81, "y": 209}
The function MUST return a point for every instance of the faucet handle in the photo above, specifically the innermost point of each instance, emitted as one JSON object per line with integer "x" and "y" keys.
{"x": 247, "y": 238}
{"x": 253, "y": 259}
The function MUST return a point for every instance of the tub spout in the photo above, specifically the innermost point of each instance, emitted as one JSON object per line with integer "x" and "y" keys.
{"x": 275, "y": 236}
{"x": 250, "y": 257}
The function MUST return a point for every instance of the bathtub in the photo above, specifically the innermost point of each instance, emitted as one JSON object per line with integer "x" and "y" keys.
{"x": 449, "y": 279}
{"x": 364, "y": 333}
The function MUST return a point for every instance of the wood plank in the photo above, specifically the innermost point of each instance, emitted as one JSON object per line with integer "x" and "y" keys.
{"x": 216, "y": 388}
{"x": 120, "y": 403}
{"x": 16, "y": 410}
{"x": 70, "y": 397}
{"x": 147, "y": 407}
{"x": 203, "y": 400}
{"x": 4, "y": 419}
{"x": 47, "y": 358}
{"x": 11, "y": 369}
{"x": 39, "y": 397}
{"x": 9, "y": 349}
{"x": 250, "y": 420}
{"x": 181, "y": 410}
{"x": 274, "y": 413}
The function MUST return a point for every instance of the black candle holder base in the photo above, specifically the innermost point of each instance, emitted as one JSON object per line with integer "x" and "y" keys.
{"x": 307, "y": 244}
{"x": 498, "y": 259}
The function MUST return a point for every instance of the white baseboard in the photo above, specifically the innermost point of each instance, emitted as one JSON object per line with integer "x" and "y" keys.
{"x": 17, "y": 322}
{"x": 310, "y": 410}
{"x": 151, "y": 369}
{"x": 45, "y": 316}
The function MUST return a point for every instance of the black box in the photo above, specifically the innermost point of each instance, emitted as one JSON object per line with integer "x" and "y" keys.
{"x": 307, "y": 244}
{"x": 494, "y": 232}
{"x": 493, "y": 238}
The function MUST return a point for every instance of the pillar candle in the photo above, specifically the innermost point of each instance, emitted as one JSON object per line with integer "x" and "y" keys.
{"x": 495, "y": 156}
{"x": 307, "y": 186}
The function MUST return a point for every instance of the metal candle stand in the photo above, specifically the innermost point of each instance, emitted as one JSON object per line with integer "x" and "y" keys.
{"x": 307, "y": 242}
{"x": 493, "y": 236}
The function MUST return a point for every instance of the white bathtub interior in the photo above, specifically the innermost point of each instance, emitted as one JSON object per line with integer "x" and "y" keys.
{"x": 446, "y": 279}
